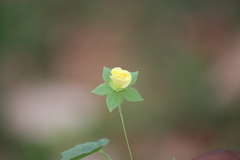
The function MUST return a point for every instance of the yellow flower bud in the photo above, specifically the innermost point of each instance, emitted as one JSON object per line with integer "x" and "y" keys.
{"x": 120, "y": 79}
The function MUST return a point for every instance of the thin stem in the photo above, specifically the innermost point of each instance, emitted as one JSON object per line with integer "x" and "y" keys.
{"x": 125, "y": 133}
{"x": 101, "y": 151}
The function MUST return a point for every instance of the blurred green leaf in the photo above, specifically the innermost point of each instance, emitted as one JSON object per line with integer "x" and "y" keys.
{"x": 102, "y": 89}
{"x": 132, "y": 94}
{"x": 106, "y": 74}
{"x": 82, "y": 150}
{"x": 114, "y": 99}
{"x": 134, "y": 78}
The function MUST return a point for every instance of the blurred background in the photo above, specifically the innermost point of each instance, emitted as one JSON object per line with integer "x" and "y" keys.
{"x": 52, "y": 54}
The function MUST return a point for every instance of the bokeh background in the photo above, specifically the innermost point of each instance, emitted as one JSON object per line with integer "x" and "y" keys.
{"x": 52, "y": 54}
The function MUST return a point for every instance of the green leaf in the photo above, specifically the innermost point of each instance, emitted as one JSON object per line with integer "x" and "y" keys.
{"x": 106, "y": 74}
{"x": 174, "y": 158}
{"x": 114, "y": 99}
{"x": 132, "y": 94}
{"x": 82, "y": 150}
{"x": 102, "y": 89}
{"x": 134, "y": 78}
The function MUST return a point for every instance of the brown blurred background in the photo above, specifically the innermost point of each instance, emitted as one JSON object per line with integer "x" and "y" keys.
{"x": 52, "y": 54}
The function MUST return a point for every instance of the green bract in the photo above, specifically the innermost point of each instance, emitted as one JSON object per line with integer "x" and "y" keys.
{"x": 82, "y": 150}
{"x": 115, "y": 98}
{"x": 132, "y": 94}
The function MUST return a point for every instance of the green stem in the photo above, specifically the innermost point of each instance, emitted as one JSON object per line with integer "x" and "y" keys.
{"x": 101, "y": 151}
{"x": 125, "y": 133}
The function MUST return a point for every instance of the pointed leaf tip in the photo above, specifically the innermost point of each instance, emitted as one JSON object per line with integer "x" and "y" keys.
{"x": 106, "y": 74}
{"x": 114, "y": 99}
{"x": 102, "y": 89}
{"x": 132, "y": 94}
{"x": 134, "y": 78}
